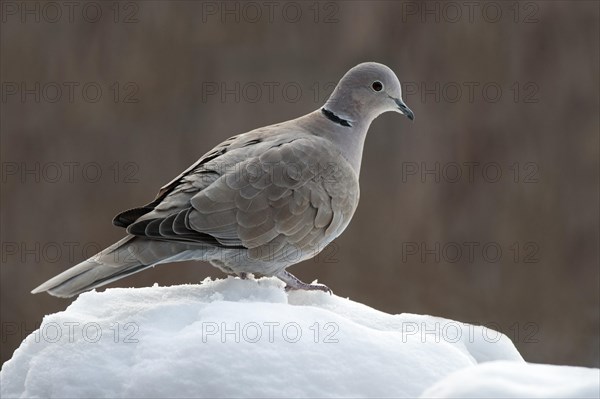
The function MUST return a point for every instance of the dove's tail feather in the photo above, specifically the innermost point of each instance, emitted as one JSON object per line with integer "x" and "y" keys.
{"x": 127, "y": 256}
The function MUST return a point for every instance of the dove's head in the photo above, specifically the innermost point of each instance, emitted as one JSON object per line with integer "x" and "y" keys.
{"x": 367, "y": 91}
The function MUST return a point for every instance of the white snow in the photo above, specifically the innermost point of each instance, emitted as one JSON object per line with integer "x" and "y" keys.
{"x": 249, "y": 338}
{"x": 504, "y": 379}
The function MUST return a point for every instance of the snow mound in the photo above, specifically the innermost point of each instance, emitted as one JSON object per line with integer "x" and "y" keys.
{"x": 504, "y": 379}
{"x": 242, "y": 338}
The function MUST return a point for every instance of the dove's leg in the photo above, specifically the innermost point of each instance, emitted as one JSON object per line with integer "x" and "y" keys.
{"x": 245, "y": 276}
{"x": 293, "y": 283}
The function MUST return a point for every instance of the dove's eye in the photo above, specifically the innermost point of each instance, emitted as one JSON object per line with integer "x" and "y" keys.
{"x": 377, "y": 85}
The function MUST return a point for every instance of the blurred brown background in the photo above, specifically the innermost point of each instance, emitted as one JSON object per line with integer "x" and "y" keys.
{"x": 496, "y": 88}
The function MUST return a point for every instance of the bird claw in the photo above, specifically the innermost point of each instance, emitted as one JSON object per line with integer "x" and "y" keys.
{"x": 293, "y": 283}
{"x": 310, "y": 287}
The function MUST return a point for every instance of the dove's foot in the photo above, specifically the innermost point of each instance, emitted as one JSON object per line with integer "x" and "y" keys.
{"x": 243, "y": 275}
{"x": 293, "y": 283}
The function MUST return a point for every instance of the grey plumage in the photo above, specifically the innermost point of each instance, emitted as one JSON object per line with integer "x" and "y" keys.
{"x": 258, "y": 202}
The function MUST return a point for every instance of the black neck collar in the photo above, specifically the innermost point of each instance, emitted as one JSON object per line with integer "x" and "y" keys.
{"x": 334, "y": 118}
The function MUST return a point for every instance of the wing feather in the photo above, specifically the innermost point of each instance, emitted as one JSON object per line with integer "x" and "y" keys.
{"x": 270, "y": 198}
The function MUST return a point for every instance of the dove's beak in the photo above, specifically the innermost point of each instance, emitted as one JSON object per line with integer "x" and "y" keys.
{"x": 403, "y": 109}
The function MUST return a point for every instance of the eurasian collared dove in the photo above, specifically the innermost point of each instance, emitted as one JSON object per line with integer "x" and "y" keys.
{"x": 260, "y": 201}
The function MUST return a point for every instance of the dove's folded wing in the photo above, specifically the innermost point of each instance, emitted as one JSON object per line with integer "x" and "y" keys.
{"x": 286, "y": 193}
